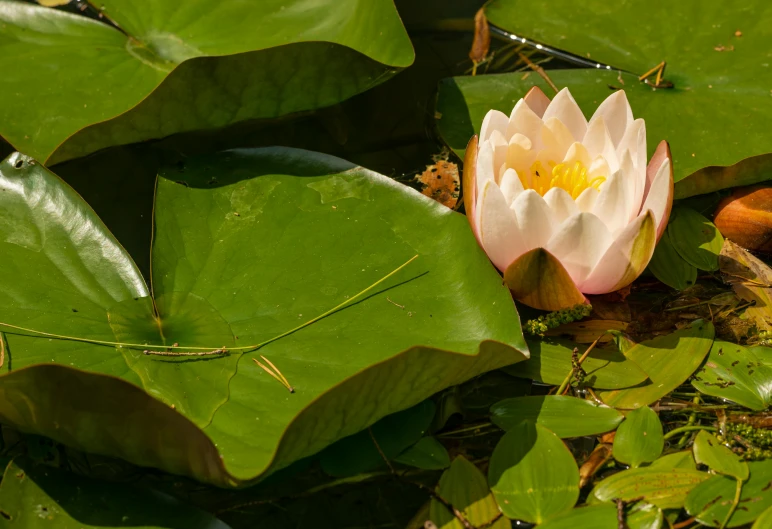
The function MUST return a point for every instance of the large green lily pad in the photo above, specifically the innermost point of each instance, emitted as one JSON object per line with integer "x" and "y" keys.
{"x": 716, "y": 58}
{"x": 248, "y": 245}
{"x": 73, "y": 85}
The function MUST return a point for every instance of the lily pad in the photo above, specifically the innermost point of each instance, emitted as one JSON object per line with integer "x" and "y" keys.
{"x": 42, "y": 496}
{"x": 517, "y": 478}
{"x": 172, "y": 69}
{"x": 236, "y": 265}
{"x": 639, "y": 439}
{"x": 550, "y": 362}
{"x": 669, "y": 361}
{"x": 708, "y": 66}
{"x": 565, "y": 416}
{"x": 735, "y": 373}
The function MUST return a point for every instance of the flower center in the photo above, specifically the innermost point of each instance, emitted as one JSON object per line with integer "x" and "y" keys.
{"x": 572, "y": 177}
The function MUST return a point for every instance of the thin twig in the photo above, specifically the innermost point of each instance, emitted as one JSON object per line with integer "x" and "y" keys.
{"x": 538, "y": 69}
{"x": 215, "y": 352}
{"x": 2, "y": 349}
{"x": 275, "y": 373}
{"x": 564, "y": 386}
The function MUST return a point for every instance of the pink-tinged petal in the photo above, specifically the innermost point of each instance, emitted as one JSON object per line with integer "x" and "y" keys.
{"x": 537, "y": 100}
{"x": 586, "y": 200}
{"x": 578, "y": 243}
{"x": 500, "y": 147}
{"x": 660, "y": 194}
{"x": 537, "y": 279}
{"x": 469, "y": 185}
{"x": 561, "y": 204}
{"x": 511, "y": 186}
{"x": 523, "y": 120}
{"x": 625, "y": 259}
{"x": 534, "y": 219}
{"x": 520, "y": 154}
{"x": 616, "y": 112}
{"x": 556, "y": 138}
{"x": 499, "y": 232}
{"x": 611, "y": 205}
{"x": 484, "y": 165}
{"x": 564, "y": 108}
{"x": 598, "y": 143}
{"x": 493, "y": 120}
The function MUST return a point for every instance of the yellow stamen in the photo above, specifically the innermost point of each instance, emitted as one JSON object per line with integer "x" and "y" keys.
{"x": 571, "y": 178}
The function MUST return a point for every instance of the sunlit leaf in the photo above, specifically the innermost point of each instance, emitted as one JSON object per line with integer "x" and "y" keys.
{"x": 734, "y": 373}
{"x": 565, "y": 416}
{"x": 668, "y": 360}
{"x": 523, "y": 490}
{"x": 586, "y": 517}
{"x": 710, "y": 452}
{"x": 763, "y": 521}
{"x": 695, "y": 238}
{"x": 751, "y": 280}
{"x": 464, "y": 487}
{"x": 667, "y": 489}
{"x": 683, "y": 459}
{"x": 236, "y": 263}
{"x": 639, "y": 439}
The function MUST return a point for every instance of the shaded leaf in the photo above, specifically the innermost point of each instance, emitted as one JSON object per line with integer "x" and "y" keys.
{"x": 234, "y": 262}
{"x": 517, "y": 478}
{"x": 586, "y": 517}
{"x": 710, "y": 501}
{"x": 565, "y": 416}
{"x": 550, "y": 362}
{"x": 667, "y": 489}
{"x": 357, "y": 454}
{"x": 695, "y": 238}
{"x": 428, "y": 454}
{"x": 42, "y": 496}
{"x": 175, "y": 70}
{"x": 751, "y": 280}
{"x": 639, "y": 439}
{"x": 669, "y": 267}
{"x": 464, "y": 487}
{"x": 668, "y": 360}
{"x": 734, "y": 373}
{"x": 710, "y": 452}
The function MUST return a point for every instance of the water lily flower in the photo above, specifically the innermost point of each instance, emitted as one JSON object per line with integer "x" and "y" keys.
{"x": 564, "y": 206}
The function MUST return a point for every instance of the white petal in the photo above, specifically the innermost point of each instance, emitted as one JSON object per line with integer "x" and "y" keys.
{"x": 537, "y": 100}
{"x": 635, "y": 141}
{"x": 658, "y": 200}
{"x": 499, "y": 232}
{"x": 520, "y": 154}
{"x": 561, "y": 204}
{"x": 524, "y": 121}
{"x": 578, "y": 243}
{"x": 599, "y": 167}
{"x": 534, "y": 219}
{"x": 610, "y": 205}
{"x": 500, "y": 147}
{"x": 586, "y": 200}
{"x": 564, "y": 108}
{"x": 616, "y": 112}
{"x": 485, "y": 170}
{"x": 613, "y": 265}
{"x": 598, "y": 143}
{"x": 511, "y": 186}
{"x": 556, "y": 138}
{"x": 494, "y": 120}
{"x": 577, "y": 153}
{"x": 629, "y": 183}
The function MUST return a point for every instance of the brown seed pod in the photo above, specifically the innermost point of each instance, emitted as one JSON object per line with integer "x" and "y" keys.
{"x": 745, "y": 217}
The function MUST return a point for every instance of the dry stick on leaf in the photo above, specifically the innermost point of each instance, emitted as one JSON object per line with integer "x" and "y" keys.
{"x": 578, "y": 366}
{"x": 275, "y": 373}
{"x": 482, "y": 40}
{"x": 538, "y": 69}
{"x": 455, "y": 512}
{"x": 2, "y": 349}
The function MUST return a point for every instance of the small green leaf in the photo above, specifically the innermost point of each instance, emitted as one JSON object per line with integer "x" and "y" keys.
{"x": 764, "y": 521}
{"x": 709, "y": 451}
{"x": 517, "y": 476}
{"x": 645, "y": 516}
{"x": 669, "y": 267}
{"x": 428, "y": 454}
{"x": 551, "y": 360}
{"x": 710, "y": 501}
{"x": 735, "y": 373}
{"x": 695, "y": 238}
{"x": 357, "y": 453}
{"x": 464, "y": 487}
{"x": 668, "y": 360}
{"x": 639, "y": 439}
{"x": 683, "y": 459}
{"x": 565, "y": 416}
{"x": 667, "y": 489}
{"x": 585, "y": 517}
{"x": 41, "y": 496}
{"x": 763, "y": 353}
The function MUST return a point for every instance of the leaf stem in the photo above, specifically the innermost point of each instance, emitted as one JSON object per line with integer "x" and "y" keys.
{"x": 682, "y": 429}
{"x": 735, "y": 503}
